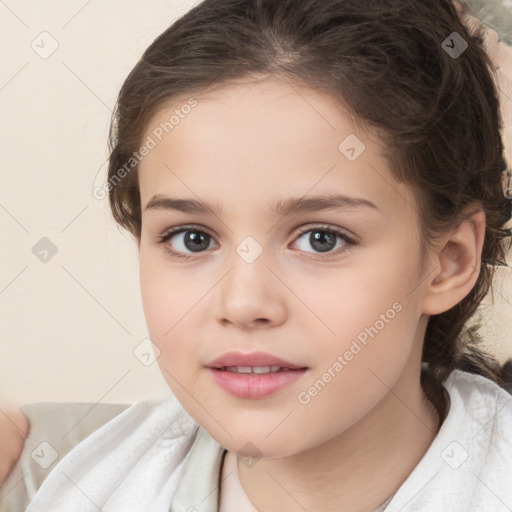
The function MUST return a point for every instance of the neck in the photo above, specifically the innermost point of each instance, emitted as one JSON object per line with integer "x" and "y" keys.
{"x": 357, "y": 470}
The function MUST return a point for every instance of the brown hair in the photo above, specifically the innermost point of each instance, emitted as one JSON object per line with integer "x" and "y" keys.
{"x": 437, "y": 115}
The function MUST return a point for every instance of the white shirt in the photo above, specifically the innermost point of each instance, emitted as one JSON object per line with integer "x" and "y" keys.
{"x": 154, "y": 457}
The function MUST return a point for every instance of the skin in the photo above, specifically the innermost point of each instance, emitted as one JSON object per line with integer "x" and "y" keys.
{"x": 14, "y": 428}
{"x": 12, "y": 438}
{"x": 243, "y": 146}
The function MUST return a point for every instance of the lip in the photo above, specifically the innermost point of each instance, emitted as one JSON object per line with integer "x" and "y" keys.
{"x": 250, "y": 385}
{"x": 253, "y": 386}
{"x": 251, "y": 359}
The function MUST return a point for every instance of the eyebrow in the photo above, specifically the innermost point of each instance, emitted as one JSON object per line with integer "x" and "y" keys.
{"x": 280, "y": 207}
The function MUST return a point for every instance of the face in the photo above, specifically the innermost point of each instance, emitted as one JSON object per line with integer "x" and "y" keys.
{"x": 325, "y": 289}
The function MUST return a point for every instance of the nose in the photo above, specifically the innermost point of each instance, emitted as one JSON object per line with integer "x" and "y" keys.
{"x": 250, "y": 295}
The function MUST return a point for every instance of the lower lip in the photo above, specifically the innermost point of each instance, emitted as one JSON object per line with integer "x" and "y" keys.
{"x": 253, "y": 386}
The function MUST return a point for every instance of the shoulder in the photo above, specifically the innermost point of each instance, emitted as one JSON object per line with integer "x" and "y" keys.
{"x": 54, "y": 429}
{"x": 468, "y": 465}
{"x": 479, "y": 445}
{"x": 485, "y": 407}
{"x": 139, "y": 452}
{"x": 84, "y": 433}
{"x": 480, "y": 397}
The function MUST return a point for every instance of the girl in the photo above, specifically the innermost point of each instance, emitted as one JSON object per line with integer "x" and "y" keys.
{"x": 318, "y": 193}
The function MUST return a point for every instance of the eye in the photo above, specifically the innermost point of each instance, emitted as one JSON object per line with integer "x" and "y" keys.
{"x": 189, "y": 238}
{"x": 193, "y": 239}
{"x": 324, "y": 239}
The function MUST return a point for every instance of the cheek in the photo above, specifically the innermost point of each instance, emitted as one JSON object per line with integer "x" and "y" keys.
{"x": 347, "y": 303}
{"x": 162, "y": 301}
{"x": 171, "y": 300}
{"x": 368, "y": 327}
{"x": 158, "y": 298}
{"x": 353, "y": 376}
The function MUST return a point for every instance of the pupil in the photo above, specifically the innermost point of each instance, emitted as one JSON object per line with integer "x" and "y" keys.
{"x": 322, "y": 243}
{"x": 195, "y": 241}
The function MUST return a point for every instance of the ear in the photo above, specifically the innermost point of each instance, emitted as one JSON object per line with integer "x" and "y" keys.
{"x": 455, "y": 265}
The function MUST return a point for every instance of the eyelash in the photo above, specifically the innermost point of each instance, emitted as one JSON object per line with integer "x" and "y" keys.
{"x": 321, "y": 227}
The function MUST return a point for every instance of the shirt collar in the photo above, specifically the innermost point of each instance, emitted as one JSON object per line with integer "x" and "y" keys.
{"x": 198, "y": 489}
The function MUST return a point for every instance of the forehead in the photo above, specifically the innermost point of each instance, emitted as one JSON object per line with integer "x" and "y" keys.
{"x": 264, "y": 139}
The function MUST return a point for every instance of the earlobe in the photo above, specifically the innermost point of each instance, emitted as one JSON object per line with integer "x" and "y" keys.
{"x": 456, "y": 266}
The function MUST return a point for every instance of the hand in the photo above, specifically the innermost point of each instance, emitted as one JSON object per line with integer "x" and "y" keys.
{"x": 501, "y": 57}
{"x": 14, "y": 428}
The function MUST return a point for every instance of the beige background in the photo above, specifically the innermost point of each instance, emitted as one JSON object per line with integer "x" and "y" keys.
{"x": 69, "y": 326}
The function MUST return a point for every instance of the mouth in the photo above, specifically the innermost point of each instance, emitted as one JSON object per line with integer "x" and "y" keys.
{"x": 255, "y": 375}
{"x": 257, "y": 370}
{"x": 253, "y": 362}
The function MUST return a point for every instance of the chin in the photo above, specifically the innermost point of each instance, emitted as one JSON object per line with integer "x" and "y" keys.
{"x": 256, "y": 445}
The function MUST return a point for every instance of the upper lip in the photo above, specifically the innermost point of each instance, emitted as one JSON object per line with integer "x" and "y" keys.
{"x": 252, "y": 359}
